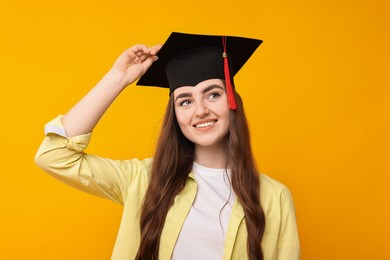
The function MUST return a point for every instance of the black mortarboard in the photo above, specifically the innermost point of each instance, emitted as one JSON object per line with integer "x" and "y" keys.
{"x": 187, "y": 59}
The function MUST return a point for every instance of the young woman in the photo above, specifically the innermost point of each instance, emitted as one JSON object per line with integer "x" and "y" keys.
{"x": 201, "y": 196}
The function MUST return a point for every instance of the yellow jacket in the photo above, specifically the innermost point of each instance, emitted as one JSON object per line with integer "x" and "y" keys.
{"x": 126, "y": 181}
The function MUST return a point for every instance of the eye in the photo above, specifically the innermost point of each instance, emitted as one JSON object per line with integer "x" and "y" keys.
{"x": 185, "y": 103}
{"x": 213, "y": 95}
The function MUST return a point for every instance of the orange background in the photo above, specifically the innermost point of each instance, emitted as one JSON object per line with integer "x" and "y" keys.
{"x": 316, "y": 94}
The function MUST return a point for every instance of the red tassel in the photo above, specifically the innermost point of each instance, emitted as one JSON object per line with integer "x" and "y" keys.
{"x": 229, "y": 87}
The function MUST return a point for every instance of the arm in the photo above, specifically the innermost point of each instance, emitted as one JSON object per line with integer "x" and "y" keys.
{"x": 129, "y": 66}
{"x": 64, "y": 159}
{"x": 62, "y": 155}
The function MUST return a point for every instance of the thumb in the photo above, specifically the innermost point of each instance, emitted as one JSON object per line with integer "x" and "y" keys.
{"x": 148, "y": 62}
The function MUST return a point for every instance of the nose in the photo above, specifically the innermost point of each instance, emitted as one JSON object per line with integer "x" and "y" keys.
{"x": 201, "y": 109}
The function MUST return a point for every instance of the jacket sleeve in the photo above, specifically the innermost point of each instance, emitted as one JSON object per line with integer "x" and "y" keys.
{"x": 64, "y": 158}
{"x": 288, "y": 242}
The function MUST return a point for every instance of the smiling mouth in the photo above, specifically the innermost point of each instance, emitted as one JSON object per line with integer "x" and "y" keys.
{"x": 205, "y": 124}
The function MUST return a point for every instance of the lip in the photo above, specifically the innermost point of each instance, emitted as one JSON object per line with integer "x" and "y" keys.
{"x": 214, "y": 121}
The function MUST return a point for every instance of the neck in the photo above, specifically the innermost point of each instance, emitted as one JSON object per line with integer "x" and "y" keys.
{"x": 211, "y": 157}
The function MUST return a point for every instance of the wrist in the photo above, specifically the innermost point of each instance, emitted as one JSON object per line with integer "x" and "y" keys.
{"x": 116, "y": 78}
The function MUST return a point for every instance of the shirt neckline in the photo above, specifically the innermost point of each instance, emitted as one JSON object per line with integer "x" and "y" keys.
{"x": 203, "y": 170}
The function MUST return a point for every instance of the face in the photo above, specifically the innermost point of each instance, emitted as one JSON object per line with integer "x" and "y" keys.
{"x": 203, "y": 112}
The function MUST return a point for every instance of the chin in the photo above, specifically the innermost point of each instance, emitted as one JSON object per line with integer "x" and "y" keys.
{"x": 209, "y": 143}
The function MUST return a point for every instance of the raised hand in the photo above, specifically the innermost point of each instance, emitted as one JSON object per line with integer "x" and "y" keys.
{"x": 129, "y": 66}
{"x": 134, "y": 62}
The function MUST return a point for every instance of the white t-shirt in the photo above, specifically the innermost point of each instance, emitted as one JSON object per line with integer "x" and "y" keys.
{"x": 203, "y": 233}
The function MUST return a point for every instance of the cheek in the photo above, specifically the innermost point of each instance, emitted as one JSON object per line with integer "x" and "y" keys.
{"x": 226, "y": 118}
{"x": 223, "y": 111}
{"x": 182, "y": 118}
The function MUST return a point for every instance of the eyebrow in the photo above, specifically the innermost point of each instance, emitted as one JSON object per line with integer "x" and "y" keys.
{"x": 187, "y": 94}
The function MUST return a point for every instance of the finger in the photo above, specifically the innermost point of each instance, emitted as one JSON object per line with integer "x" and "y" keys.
{"x": 151, "y": 50}
{"x": 142, "y": 52}
{"x": 139, "y": 47}
{"x": 148, "y": 62}
{"x": 155, "y": 49}
{"x": 135, "y": 49}
{"x": 143, "y": 57}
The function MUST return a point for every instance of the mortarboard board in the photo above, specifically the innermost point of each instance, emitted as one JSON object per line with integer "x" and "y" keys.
{"x": 187, "y": 59}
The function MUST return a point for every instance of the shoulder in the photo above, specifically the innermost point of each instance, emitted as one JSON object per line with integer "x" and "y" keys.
{"x": 143, "y": 163}
{"x": 271, "y": 186}
{"x": 141, "y": 166}
{"x": 273, "y": 194}
{"x": 136, "y": 177}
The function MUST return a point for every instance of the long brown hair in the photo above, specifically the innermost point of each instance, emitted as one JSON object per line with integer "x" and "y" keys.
{"x": 171, "y": 165}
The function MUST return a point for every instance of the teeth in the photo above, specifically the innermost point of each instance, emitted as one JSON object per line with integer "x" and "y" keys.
{"x": 205, "y": 124}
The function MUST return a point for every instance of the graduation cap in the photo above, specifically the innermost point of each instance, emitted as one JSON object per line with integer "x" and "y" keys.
{"x": 187, "y": 59}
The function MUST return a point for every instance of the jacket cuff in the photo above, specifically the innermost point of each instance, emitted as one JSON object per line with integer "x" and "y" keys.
{"x": 78, "y": 143}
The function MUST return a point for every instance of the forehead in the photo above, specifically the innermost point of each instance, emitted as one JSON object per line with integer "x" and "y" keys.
{"x": 199, "y": 87}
